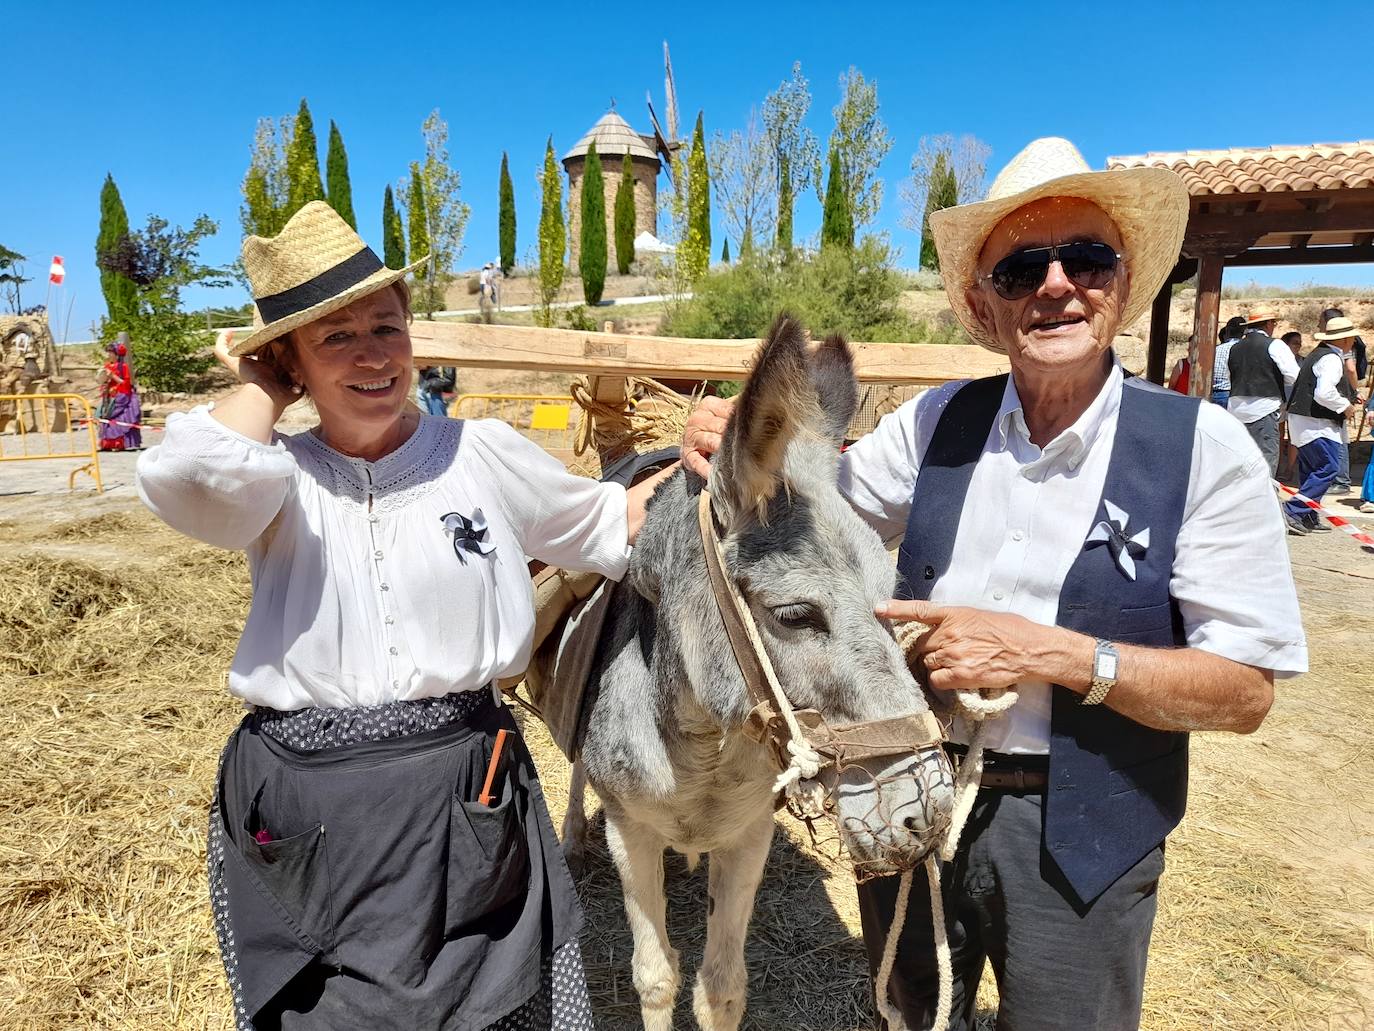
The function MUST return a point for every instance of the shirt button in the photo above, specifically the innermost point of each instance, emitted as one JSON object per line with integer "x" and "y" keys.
{"x": 1018, "y": 535}
{"x": 374, "y": 519}
{"x": 395, "y": 683}
{"x": 376, "y": 554}
{"x": 386, "y": 587}
{"x": 390, "y": 620}
{"x": 997, "y": 595}
{"x": 393, "y": 650}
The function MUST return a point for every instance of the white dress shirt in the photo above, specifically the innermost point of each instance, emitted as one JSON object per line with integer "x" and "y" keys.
{"x": 1303, "y": 429}
{"x": 1028, "y": 511}
{"x": 360, "y": 595}
{"x": 1248, "y": 409}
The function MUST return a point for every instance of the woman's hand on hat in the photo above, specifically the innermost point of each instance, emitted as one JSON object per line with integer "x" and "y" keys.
{"x": 702, "y": 436}
{"x": 259, "y": 373}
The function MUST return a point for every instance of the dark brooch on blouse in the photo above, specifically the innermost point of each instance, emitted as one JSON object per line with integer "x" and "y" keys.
{"x": 1114, "y": 533}
{"x": 469, "y": 533}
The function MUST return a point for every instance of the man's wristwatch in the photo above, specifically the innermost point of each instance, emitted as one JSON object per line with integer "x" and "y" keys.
{"x": 1105, "y": 661}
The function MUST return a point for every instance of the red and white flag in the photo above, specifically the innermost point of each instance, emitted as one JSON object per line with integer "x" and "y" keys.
{"x": 56, "y": 272}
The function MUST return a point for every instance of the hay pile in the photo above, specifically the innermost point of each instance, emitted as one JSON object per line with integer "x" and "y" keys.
{"x": 114, "y": 636}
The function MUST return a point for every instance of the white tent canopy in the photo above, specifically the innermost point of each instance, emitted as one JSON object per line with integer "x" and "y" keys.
{"x": 647, "y": 243}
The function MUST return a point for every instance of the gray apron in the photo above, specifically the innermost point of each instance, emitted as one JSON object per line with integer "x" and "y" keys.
{"x": 367, "y": 886}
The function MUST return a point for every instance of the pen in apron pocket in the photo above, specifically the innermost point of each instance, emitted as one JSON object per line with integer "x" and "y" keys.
{"x": 485, "y": 797}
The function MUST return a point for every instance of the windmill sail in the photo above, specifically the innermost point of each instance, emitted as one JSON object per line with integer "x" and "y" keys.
{"x": 669, "y": 94}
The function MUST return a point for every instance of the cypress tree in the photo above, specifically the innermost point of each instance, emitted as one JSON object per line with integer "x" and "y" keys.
{"x": 837, "y": 225}
{"x": 694, "y": 252}
{"x": 592, "y": 247}
{"x": 943, "y": 192}
{"x": 419, "y": 232}
{"x": 507, "y": 218}
{"x": 625, "y": 217}
{"x": 121, "y": 296}
{"x": 784, "y": 206}
{"x": 302, "y": 165}
{"x": 725, "y": 251}
{"x": 553, "y": 239}
{"x": 336, "y": 168}
{"x": 393, "y": 234}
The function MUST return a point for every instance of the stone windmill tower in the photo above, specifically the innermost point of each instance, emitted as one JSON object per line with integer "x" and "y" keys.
{"x": 614, "y": 138}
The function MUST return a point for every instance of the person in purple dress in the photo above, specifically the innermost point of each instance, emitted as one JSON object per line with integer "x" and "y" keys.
{"x": 121, "y": 411}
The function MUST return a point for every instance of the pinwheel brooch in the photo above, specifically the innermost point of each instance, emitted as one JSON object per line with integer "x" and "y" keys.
{"x": 469, "y": 533}
{"x": 1113, "y": 532}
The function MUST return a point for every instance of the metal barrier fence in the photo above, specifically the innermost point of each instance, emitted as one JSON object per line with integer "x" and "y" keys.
{"x": 50, "y": 423}
{"x": 547, "y": 419}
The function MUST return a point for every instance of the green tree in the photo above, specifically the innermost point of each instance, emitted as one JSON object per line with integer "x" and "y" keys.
{"x": 419, "y": 240}
{"x": 393, "y": 234}
{"x": 336, "y": 168}
{"x": 943, "y": 193}
{"x": 12, "y": 276}
{"x": 837, "y": 224}
{"x": 303, "y": 182}
{"x": 784, "y": 205}
{"x": 694, "y": 252}
{"x": 507, "y": 218}
{"x": 553, "y": 241}
{"x": 861, "y": 140}
{"x": 725, "y": 251}
{"x": 265, "y": 187}
{"x": 591, "y": 252}
{"x": 119, "y": 290}
{"x": 170, "y": 346}
{"x": 625, "y": 217}
{"x": 443, "y": 213}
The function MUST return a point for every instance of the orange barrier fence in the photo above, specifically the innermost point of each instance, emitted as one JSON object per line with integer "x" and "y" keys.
{"x": 45, "y": 427}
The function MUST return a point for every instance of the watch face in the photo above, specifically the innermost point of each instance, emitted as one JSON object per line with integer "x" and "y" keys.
{"x": 1106, "y": 665}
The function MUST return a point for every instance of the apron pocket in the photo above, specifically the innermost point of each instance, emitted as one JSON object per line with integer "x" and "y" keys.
{"x": 488, "y": 861}
{"x": 295, "y": 871}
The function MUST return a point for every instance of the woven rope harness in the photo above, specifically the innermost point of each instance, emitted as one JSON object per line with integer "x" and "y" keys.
{"x": 802, "y": 745}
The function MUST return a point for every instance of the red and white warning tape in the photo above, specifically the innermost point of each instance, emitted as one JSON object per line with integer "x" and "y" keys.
{"x": 1331, "y": 517}
{"x": 116, "y": 422}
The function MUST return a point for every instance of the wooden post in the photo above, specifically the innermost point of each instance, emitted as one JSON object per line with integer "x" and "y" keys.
{"x": 1205, "y": 315}
{"x": 1159, "y": 334}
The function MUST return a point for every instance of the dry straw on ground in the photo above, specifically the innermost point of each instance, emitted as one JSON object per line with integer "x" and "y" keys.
{"x": 114, "y": 635}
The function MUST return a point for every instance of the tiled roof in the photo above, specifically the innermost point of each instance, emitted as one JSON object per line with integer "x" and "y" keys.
{"x": 1322, "y": 166}
{"x": 613, "y": 135}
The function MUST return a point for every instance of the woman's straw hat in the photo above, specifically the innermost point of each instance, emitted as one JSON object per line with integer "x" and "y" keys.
{"x": 1262, "y": 313}
{"x": 1148, "y": 205}
{"x": 315, "y": 265}
{"x": 1338, "y": 328}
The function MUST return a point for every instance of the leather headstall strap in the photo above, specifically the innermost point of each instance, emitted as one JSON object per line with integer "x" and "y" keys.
{"x": 839, "y": 745}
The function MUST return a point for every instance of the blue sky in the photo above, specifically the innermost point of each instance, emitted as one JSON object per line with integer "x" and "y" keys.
{"x": 166, "y": 97}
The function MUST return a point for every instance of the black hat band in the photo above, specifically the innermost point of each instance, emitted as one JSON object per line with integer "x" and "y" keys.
{"x": 326, "y": 286}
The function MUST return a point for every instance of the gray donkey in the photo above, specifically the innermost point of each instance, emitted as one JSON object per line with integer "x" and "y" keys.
{"x": 665, "y": 748}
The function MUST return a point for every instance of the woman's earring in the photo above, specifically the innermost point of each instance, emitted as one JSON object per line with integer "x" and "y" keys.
{"x": 296, "y": 388}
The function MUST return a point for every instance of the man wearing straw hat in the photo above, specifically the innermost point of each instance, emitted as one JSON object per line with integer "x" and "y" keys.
{"x": 1262, "y": 373}
{"x": 1072, "y": 533}
{"x": 1316, "y": 418}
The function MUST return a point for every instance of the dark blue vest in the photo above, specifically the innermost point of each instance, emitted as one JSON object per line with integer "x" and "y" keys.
{"x": 1116, "y": 788}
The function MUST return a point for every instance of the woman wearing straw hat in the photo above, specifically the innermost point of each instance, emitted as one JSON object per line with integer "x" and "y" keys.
{"x": 1076, "y": 535}
{"x": 380, "y": 854}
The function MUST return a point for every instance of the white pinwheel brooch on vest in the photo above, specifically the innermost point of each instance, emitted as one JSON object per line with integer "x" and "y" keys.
{"x": 1115, "y": 533}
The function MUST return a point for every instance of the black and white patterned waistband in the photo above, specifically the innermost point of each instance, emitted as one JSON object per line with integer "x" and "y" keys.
{"x": 319, "y": 729}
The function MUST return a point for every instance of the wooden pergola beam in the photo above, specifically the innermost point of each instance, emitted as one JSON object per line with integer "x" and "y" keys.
{"x": 473, "y": 346}
{"x": 1347, "y": 218}
{"x": 1269, "y": 256}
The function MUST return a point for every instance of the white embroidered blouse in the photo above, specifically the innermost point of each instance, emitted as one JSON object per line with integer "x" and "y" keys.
{"x": 367, "y": 587}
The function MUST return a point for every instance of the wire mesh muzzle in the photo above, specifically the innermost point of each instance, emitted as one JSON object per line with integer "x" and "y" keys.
{"x": 910, "y": 808}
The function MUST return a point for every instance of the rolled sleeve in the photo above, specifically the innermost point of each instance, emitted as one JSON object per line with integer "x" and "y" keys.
{"x": 212, "y": 483}
{"x": 1232, "y": 577}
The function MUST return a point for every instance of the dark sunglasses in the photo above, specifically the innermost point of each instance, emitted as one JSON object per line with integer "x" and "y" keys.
{"x": 1088, "y": 263}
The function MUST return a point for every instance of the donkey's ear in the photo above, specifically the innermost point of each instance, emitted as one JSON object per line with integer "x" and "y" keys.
{"x": 832, "y": 371}
{"x": 777, "y": 401}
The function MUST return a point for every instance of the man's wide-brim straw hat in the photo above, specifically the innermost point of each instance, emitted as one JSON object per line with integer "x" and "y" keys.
{"x": 1148, "y": 205}
{"x": 1338, "y": 328}
{"x": 317, "y": 264}
{"x": 1262, "y": 313}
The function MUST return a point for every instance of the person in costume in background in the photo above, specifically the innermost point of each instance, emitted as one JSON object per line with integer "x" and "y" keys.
{"x": 1221, "y": 369}
{"x": 1316, "y": 420}
{"x": 121, "y": 410}
{"x": 380, "y": 854}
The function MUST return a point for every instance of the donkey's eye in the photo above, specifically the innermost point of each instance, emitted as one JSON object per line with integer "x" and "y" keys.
{"x": 801, "y": 616}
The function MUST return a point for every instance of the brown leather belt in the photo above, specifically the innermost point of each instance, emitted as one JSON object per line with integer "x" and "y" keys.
{"x": 1018, "y": 773}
